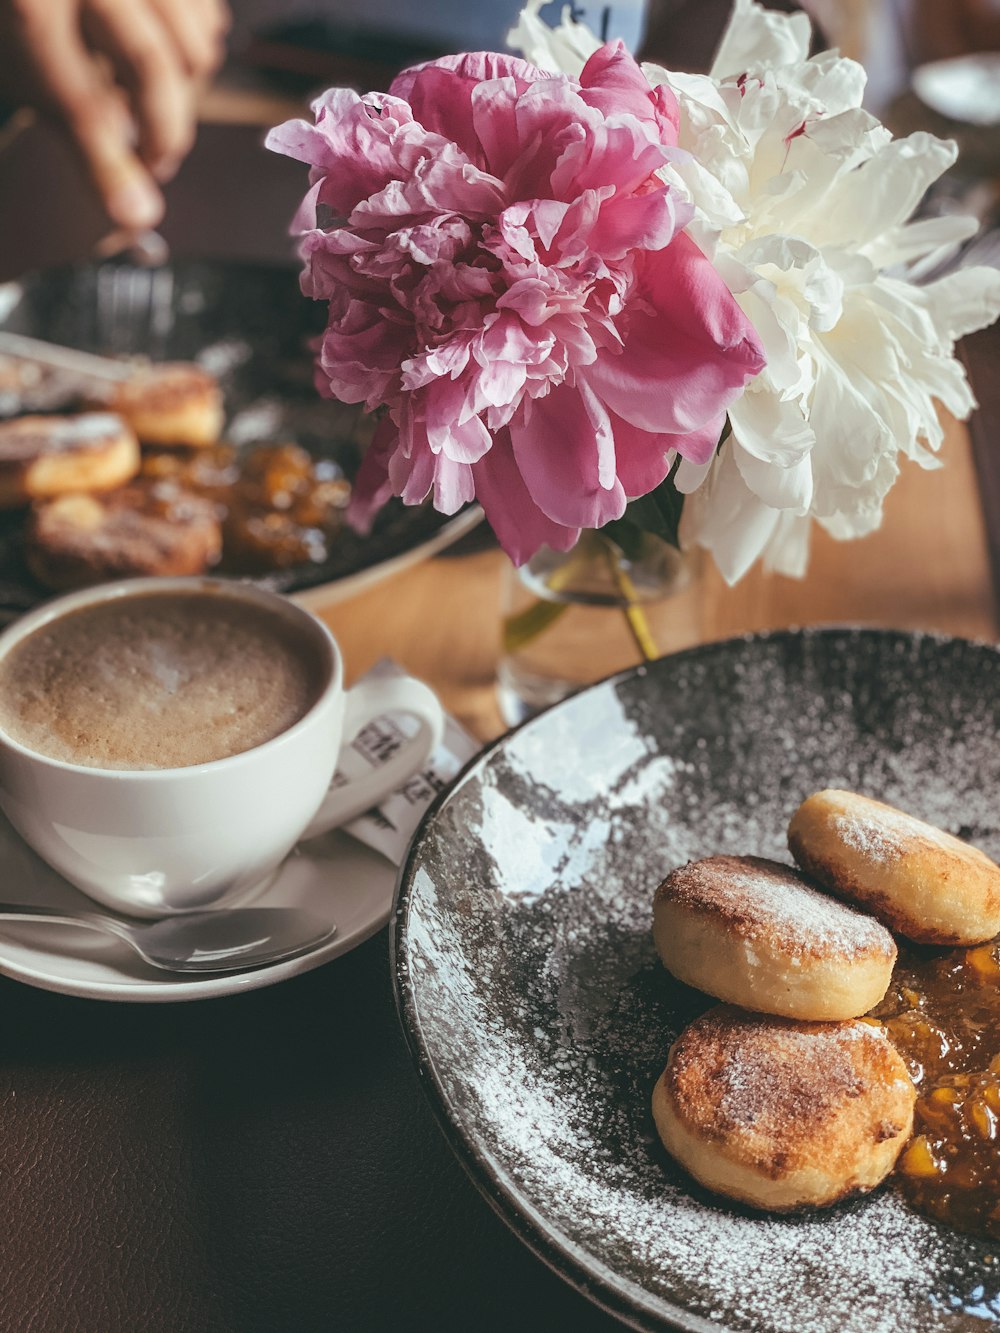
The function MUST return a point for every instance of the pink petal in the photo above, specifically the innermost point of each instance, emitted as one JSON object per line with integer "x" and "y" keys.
{"x": 624, "y": 154}
{"x": 442, "y": 95}
{"x": 305, "y": 214}
{"x": 500, "y": 382}
{"x": 644, "y": 459}
{"x": 639, "y": 221}
{"x": 360, "y": 354}
{"x": 351, "y": 144}
{"x": 548, "y": 118}
{"x": 443, "y": 181}
{"x": 453, "y": 485}
{"x": 565, "y": 452}
{"x": 411, "y": 468}
{"x": 613, "y": 82}
{"x": 463, "y": 442}
{"x": 494, "y": 121}
{"x": 520, "y": 526}
{"x": 688, "y": 355}
{"x": 441, "y": 100}
{"x": 469, "y": 67}
{"x": 372, "y": 487}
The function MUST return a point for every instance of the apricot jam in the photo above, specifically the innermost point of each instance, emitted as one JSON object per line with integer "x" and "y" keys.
{"x": 943, "y": 1013}
{"x": 280, "y": 507}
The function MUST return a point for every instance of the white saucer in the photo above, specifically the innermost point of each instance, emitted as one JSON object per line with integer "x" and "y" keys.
{"x": 333, "y": 875}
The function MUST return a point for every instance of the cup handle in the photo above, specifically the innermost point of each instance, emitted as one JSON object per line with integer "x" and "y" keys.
{"x": 365, "y": 702}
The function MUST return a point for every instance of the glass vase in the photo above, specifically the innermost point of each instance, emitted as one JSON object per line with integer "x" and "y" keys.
{"x": 571, "y": 618}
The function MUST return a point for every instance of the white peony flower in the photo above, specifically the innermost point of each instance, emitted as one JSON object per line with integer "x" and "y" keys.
{"x": 802, "y": 199}
{"x": 562, "y": 50}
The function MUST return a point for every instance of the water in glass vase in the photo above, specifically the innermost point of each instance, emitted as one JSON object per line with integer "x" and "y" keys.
{"x": 573, "y": 618}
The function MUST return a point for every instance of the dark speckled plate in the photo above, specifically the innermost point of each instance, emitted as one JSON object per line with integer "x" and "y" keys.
{"x": 248, "y": 324}
{"x": 540, "y": 1017}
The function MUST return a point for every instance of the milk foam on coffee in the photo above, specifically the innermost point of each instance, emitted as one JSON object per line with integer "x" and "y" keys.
{"x": 158, "y": 680}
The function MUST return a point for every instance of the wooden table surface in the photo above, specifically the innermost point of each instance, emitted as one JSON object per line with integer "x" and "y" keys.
{"x": 926, "y": 568}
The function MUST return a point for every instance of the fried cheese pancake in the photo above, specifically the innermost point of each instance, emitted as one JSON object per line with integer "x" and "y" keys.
{"x": 45, "y": 456}
{"x": 142, "y": 529}
{"x": 172, "y": 403}
{"x": 921, "y": 882}
{"x": 784, "y": 1115}
{"x": 758, "y": 934}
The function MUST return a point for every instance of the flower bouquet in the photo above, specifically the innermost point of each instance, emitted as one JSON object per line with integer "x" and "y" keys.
{"x": 604, "y": 298}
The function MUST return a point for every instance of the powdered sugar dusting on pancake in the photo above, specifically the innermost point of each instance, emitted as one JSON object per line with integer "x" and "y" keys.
{"x": 762, "y": 899}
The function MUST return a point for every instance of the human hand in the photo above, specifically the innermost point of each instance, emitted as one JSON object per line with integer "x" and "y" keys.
{"x": 121, "y": 77}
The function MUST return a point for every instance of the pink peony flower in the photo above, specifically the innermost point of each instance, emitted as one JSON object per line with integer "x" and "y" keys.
{"x": 507, "y": 275}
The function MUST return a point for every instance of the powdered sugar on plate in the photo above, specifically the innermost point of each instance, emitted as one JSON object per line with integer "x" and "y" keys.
{"x": 538, "y": 1009}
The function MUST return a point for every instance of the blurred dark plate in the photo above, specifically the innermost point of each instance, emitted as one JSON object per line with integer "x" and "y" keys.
{"x": 540, "y": 1017}
{"x": 251, "y": 326}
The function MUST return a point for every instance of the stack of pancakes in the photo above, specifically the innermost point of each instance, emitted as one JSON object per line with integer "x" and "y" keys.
{"x": 784, "y": 1096}
{"x": 91, "y": 517}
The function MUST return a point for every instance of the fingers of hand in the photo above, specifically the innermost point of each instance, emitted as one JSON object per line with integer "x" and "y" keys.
{"x": 149, "y": 65}
{"x": 101, "y": 128}
{"x": 72, "y": 87}
{"x": 198, "y": 30}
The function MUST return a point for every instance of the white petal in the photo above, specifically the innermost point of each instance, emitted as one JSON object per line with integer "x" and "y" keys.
{"x": 771, "y": 430}
{"x": 756, "y": 37}
{"x": 788, "y": 550}
{"x": 865, "y": 514}
{"x": 728, "y": 520}
{"x": 780, "y": 487}
{"x": 913, "y": 240}
{"x": 689, "y": 476}
{"x": 562, "y": 50}
{"x": 850, "y": 440}
{"x": 964, "y": 301}
{"x": 708, "y": 194}
{"x": 883, "y": 191}
{"x": 837, "y": 83}
{"x": 701, "y": 96}
{"x": 784, "y": 373}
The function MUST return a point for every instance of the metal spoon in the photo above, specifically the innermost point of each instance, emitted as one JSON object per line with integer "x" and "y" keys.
{"x": 216, "y": 941}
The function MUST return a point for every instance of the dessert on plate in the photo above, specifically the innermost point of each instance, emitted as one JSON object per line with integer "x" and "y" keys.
{"x": 783, "y": 1099}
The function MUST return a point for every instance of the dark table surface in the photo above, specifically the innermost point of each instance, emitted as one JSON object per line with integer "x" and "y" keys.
{"x": 264, "y": 1161}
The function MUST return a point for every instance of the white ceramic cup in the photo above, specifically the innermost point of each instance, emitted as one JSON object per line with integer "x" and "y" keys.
{"x": 152, "y": 842}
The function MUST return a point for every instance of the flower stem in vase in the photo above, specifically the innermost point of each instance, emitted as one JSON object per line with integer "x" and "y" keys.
{"x": 631, "y": 605}
{"x": 570, "y": 619}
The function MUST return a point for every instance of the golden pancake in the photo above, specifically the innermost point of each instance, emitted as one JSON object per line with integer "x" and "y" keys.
{"x": 142, "y": 529}
{"x": 921, "y": 882}
{"x": 44, "y": 456}
{"x": 758, "y": 934}
{"x": 174, "y": 403}
{"x": 784, "y": 1115}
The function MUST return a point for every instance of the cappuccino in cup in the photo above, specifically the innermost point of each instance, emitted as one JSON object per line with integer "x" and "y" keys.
{"x": 165, "y": 743}
{"x": 161, "y": 680}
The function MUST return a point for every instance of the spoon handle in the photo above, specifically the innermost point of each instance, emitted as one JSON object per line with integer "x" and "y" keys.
{"x": 31, "y": 911}
{"x": 96, "y": 920}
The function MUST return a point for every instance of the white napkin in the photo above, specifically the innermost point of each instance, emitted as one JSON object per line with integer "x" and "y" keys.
{"x": 389, "y": 827}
